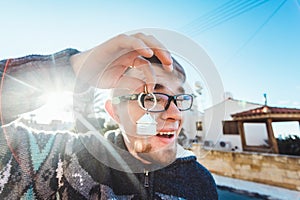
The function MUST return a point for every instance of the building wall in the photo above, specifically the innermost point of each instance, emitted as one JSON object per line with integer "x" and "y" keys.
{"x": 272, "y": 169}
{"x": 213, "y": 117}
{"x": 189, "y": 123}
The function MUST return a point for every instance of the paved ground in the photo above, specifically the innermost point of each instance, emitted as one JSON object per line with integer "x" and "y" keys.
{"x": 274, "y": 193}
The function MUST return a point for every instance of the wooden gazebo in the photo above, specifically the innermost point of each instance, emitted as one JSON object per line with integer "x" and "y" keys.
{"x": 267, "y": 115}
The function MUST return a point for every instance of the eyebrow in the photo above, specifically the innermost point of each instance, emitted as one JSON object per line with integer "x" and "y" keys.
{"x": 160, "y": 86}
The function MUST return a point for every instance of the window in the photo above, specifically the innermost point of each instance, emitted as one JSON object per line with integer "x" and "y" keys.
{"x": 256, "y": 134}
{"x": 230, "y": 128}
{"x": 199, "y": 126}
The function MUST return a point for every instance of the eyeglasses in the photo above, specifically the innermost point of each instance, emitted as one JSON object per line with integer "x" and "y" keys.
{"x": 182, "y": 101}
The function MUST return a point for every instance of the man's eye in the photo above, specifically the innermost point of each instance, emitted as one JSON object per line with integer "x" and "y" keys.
{"x": 150, "y": 99}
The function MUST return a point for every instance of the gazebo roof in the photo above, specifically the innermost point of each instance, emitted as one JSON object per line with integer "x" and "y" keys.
{"x": 265, "y": 112}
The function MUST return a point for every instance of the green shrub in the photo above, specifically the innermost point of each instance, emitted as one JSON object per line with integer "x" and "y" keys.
{"x": 289, "y": 145}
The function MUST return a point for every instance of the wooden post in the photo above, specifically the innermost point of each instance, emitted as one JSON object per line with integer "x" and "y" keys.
{"x": 271, "y": 136}
{"x": 242, "y": 134}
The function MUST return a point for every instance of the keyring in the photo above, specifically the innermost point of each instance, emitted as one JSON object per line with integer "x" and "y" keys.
{"x": 140, "y": 102}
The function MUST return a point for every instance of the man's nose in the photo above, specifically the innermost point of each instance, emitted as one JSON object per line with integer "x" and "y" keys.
{"x": 172, "y": 112}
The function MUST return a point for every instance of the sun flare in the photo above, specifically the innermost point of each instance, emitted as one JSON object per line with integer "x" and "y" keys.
{"x": 58, "y": 106}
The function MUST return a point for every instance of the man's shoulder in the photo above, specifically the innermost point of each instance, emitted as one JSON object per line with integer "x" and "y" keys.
{"x": 193, "y": 169}
{"x": 38, "y": 57}
{"x": 189, "y": 178}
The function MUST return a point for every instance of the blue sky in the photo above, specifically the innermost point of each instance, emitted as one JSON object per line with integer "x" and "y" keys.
{"x": 254, "y": 44}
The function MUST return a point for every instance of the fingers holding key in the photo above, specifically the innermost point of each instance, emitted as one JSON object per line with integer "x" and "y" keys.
{"x": 111, "y": 59}
{"x": 158, "y": 48}
{"x": 147, "y": 69}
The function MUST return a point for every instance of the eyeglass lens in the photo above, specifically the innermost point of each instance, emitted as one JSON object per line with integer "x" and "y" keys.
{"x": 182, "y": 101}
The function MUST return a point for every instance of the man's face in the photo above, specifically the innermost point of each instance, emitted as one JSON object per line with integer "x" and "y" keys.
{"x": 159, "y": 148}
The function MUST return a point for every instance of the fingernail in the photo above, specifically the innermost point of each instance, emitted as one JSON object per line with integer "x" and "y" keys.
{"x": 169, "y": 67}
{"x": 149, "y": 51}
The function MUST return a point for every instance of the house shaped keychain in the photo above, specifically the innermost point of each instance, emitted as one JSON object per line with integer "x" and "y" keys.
{"x": 146, "y": 125}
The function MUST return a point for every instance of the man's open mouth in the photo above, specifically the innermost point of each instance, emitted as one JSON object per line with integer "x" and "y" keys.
{"x": 165, "y": 134}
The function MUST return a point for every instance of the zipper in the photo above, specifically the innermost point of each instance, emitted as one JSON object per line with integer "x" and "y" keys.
{"x": 146, "y": 181}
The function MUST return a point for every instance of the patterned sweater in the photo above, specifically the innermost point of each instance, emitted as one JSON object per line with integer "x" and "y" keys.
{"x": 36, "y": 164}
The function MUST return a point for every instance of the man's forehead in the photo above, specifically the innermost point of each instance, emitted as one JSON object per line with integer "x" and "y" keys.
{"x": 178, "y": 89}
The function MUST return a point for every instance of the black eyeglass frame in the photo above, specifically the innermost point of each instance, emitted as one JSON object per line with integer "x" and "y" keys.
{"x": 173, "y": 98}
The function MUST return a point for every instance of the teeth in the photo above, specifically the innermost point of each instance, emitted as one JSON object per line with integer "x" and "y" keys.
{"x": 166, "y": 133}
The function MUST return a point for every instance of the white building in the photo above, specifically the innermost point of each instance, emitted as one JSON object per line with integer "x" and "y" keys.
{"x": 214, "y": 119}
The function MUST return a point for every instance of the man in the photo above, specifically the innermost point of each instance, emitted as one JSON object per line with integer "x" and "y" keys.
{"x": 140, "y": 161}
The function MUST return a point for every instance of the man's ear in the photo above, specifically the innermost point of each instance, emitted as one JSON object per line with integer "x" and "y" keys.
{"x": 111, "y": 110}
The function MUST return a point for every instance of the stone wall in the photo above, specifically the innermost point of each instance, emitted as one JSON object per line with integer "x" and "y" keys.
{"x": 272, "y": 169}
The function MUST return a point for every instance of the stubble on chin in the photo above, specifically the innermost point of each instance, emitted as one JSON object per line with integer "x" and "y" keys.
{"x": 140, "y": 147}
{"x": 161, "y": 157}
